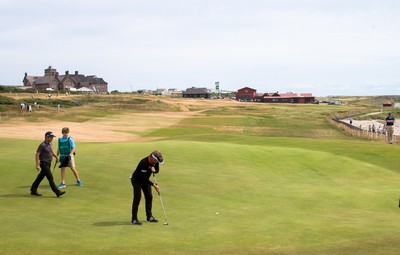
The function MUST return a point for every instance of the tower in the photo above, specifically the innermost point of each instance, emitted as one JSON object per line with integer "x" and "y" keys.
{"x": 50, "y": 71}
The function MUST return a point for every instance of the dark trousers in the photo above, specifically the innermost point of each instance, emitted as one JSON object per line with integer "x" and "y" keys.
{"x": 137, "y": 195}
{"x": 45, "y": 172}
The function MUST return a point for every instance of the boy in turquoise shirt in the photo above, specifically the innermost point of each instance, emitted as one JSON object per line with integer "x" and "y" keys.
{"x": 66, "y": 150}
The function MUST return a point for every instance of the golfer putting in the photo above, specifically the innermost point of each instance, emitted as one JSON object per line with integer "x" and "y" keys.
{"x": 141, "y": 181}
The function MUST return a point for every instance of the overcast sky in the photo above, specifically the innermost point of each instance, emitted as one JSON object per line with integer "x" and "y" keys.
{"x": 325, "y": 47}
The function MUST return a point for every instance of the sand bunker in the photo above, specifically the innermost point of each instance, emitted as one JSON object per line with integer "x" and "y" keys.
{"x": 118, "y": 128}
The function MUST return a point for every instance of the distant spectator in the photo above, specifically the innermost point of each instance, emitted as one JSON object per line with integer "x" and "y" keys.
{"x": 389, "y": 127}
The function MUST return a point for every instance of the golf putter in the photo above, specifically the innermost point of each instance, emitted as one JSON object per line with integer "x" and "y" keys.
{"x": 162, "y": 205}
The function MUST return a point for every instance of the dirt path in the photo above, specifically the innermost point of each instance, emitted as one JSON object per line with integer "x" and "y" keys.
{"x": 365, "y": 124}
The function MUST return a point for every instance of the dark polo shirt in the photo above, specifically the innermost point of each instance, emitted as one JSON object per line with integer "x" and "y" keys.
{"x": 45, "y": 152}
{"x": 389, "y": 121}
{"x": 143, "y": 171}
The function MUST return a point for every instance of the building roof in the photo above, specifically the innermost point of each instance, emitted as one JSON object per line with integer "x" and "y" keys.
{"x": 288, "y": 95}
{"x": 30, "y": 78}
{"x": 45, "y": 79}
{"x": 93, "y": 79}
{"x": 194, "y": 90}
{"x": 247, "y": 88}
{"x": 76, "y": 78}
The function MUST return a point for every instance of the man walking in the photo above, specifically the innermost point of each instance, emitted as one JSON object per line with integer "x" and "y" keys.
{"x": 389, "y": 127}
{"x": 43, "y": 157}
{"x": 141, "y": 181}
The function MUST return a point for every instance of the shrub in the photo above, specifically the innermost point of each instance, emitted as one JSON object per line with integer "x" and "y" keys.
{"x": 7, "y": 101}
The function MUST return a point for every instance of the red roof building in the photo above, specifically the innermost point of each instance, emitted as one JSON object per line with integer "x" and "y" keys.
{"x": 289, "y": 97}
{"x": 248, "y": 94}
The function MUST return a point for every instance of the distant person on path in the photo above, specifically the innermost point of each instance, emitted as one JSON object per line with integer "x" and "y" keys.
{"x": 43, "y": 157}
{"x": 141, "y": 181}
{"x": 389, "y": 127}
{"x": 66, "y": 150}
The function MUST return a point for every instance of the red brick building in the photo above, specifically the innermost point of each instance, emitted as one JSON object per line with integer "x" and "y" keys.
{"x": 249, "y": 94}
{"x": 246, "y": 94}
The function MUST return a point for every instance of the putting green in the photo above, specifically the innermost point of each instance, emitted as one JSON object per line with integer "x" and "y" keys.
{"x": 273, "y": 198}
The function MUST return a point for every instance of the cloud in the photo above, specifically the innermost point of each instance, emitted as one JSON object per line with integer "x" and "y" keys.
{"x": 304, "y": 44}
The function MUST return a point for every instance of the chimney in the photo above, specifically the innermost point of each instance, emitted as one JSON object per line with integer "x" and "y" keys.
{"x": 66, "y": 72}
{"x": 76, "y": 72}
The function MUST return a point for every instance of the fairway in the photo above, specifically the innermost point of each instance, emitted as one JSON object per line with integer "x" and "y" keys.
{"x": 223, "y": 192}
